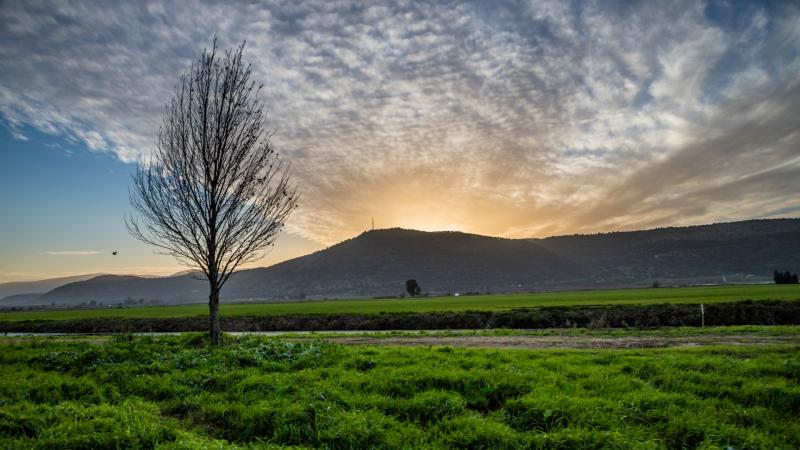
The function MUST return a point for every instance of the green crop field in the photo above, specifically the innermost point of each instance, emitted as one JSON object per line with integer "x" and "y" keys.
{"x": 176, "y": 392}
{"x": 710, "y": 294}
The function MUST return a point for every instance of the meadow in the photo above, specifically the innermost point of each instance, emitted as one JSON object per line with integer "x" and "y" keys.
{"x": 496, "y": 302}
{"x": 256, "y": 392}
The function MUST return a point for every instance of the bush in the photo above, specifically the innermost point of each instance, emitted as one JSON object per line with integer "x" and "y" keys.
{"x": 641, "y": 316}
{"x": 785, "y": 277}
{"x": 413, "y": 288}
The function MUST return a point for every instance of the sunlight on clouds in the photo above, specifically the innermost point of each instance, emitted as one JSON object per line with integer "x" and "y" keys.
{"x": 514, "y": 120}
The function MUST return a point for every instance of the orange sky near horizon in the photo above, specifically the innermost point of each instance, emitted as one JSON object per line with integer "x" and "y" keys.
{"x": 517, "y": 120}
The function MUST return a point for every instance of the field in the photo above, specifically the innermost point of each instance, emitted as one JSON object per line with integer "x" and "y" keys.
{"x": 734, "y": 387}
{"x": 688, "y": 295}
{"x": 176, "y": 392}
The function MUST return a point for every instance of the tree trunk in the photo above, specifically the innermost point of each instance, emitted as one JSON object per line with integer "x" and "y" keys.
{"x": 213, "y": 317}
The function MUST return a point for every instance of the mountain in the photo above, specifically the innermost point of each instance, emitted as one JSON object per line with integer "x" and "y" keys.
{"x": 185, "y": 272}
{"x": 704, "y": 253}
{"x": 374, "y": 263}
{"x": 377, "y": 263}
{"x": 113, "y": 289}
{"x": 20, "y": 300}
{"x": 40, "y": 286}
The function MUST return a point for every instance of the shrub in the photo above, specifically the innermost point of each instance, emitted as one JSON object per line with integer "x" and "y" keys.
{"x": 785, "y": 277}
{"x": 621, "y": 316}
{"x": 412, "y": 287}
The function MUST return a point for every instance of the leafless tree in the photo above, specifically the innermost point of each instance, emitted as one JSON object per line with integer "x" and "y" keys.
{"x": 214, "y": 193}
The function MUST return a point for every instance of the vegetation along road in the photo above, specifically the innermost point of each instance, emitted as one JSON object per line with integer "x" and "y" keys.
{"x": 686, "y": 295}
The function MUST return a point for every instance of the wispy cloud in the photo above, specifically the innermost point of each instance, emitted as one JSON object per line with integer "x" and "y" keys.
{"x": 518, "y": 119}
{"x": 73, "y": 252}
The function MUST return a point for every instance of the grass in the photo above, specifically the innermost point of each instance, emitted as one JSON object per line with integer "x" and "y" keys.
{"x": 176, "y": 392}
{"x": 707, "y": 294}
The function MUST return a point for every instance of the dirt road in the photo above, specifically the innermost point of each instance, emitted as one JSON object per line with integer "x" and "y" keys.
{"x": 569, "y": 341}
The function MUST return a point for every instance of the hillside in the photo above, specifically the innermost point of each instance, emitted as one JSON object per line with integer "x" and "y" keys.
{"x": 114, "y": 289}
{"x": 38, "y": 286}
{"x": 738, "y": 251}
{"x": 21, "y": 300}
{"x": 377, "y": 263}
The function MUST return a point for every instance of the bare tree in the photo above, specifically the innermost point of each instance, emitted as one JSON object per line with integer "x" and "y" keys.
{"x": 214, "y": 193}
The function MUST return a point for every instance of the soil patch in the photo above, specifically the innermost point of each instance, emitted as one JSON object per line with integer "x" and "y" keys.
{"x": 569, "y": 341}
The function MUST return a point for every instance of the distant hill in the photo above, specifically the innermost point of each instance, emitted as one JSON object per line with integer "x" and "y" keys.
{"x": 377, "y": 263}
{"x": 20, "y": 300}
{"x": 39, "y": 286}
{"x": 737, "y": 250}
{"x": 113, "y": 289}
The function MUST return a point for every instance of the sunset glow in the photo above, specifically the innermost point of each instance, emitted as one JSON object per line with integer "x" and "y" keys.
{"x": 514, "y": 120}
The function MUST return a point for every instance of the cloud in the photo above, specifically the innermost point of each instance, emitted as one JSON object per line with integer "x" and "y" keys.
{"x": 74, "y": 252}
{"x": 517, "y": 119}
{"x": 751, "y": 150}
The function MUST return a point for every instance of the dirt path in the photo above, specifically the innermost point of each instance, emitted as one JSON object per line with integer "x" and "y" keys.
{"x": 569, "y": 341}
{"x": 481, "y": 341}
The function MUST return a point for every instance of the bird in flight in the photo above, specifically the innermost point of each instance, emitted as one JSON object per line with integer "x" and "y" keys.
{"x": 114, "y": 253}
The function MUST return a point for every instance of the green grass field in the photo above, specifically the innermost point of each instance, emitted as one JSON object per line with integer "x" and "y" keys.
{"x": 178, "y": 393}
{"x": 710, "y": 294}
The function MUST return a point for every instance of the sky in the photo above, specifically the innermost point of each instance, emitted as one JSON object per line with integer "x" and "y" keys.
{"x": 514, "y": 119}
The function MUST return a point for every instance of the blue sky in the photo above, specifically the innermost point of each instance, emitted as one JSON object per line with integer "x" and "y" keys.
{"x": 506, "y": 118}
{"x": 64, "y": 206}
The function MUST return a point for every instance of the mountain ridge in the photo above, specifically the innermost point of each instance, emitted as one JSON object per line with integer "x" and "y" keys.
{"x": 377, "y": 263}
{"x": 39, "y": 286}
